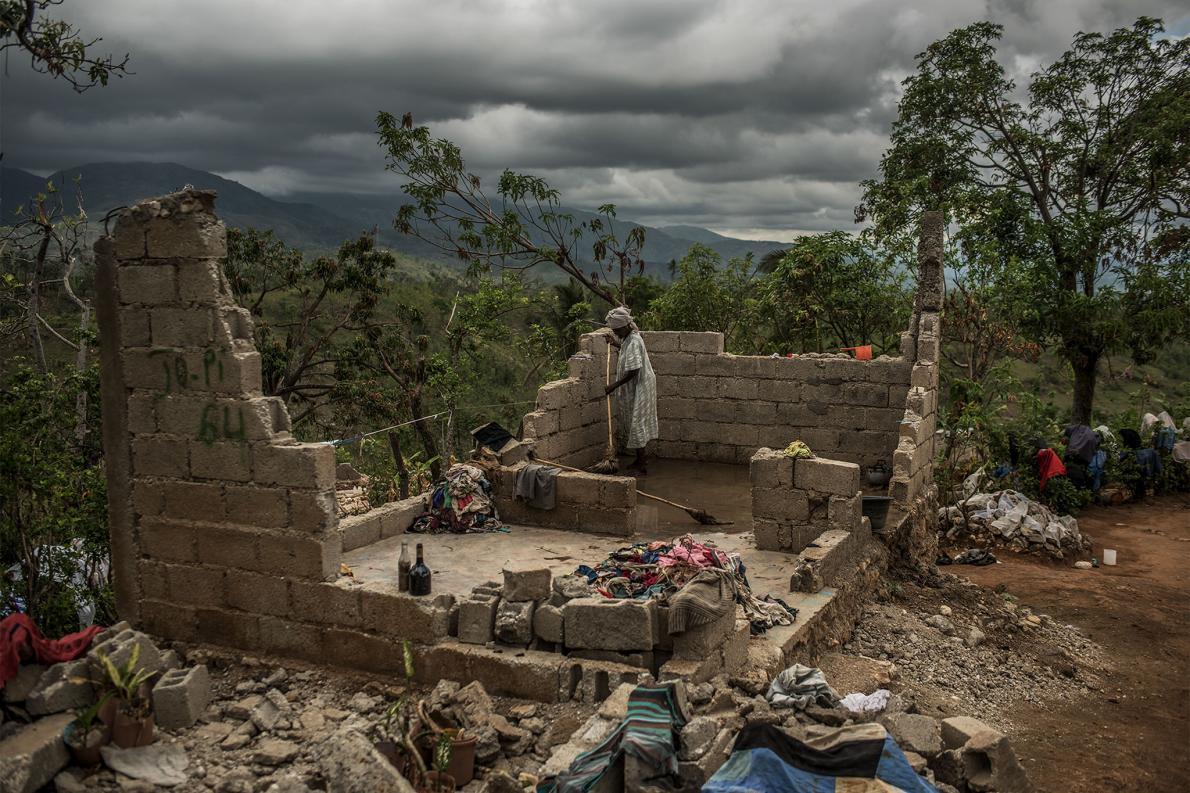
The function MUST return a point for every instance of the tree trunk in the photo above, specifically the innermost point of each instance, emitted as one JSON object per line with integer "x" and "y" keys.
{"x": 425, "y": 436}
{"x": 1085, "y": 367}
{"x": 394, "y": 443}
{"x": 33, "y": 305}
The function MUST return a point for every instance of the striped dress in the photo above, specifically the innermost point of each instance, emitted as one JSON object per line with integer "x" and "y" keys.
{"x": 636, "y": 401}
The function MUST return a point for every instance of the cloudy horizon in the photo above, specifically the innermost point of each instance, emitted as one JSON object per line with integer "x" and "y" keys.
{"x": 754, "y": 119}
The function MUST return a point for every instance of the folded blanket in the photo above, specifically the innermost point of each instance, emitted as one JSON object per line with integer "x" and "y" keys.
{"x": 704, "y": 599}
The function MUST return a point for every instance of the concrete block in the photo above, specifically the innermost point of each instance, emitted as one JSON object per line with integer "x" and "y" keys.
{"x": 711, "y": 343}
{"x": 266, "y": 507}
{"x": 477, "y": 620}
{"x": 989, "y": 763}
{"x": 134, "y": 328}
{"x": 844, "y": 511}
{"x": 158, "y": 455}
{"x": 826, "y": 476}
{"x": 294, "y": 639}
{"x": 168, "y": 540}
{"x": 196, "y": 586}
{"x": 165, "y": 239}
{"x": 228, "y": 628}
{"x": 301, "y": 557}
{"x": 199, "y": 281}
{"x": 526, "y": 581}
{"x": 18, "y": 688}
{"x": 393, "y": 613}
{"x": 148, "y": 499}
{"x": 914, "y": 732}
{"x": 766, "y": 533}
{"x": 312, "y": 511}
{"x": 147, "y": 284}
{"x": 770, "y": 469}
{"x": 359, "y": 530}
{"x": 194, "y": 501}
{"x": 957, "y": 730}
{"x": 180, "y": 697}
{"x": 514, "y": 622}
{"x": 31, "y": 757}
{"x": 223, "y": 461}
{"x": 64, "y": 686}
{"x": 141, "y": 418}
{"x": 602, "y": 624}
{"x": 657, "y": 341}
{"x": 118, "y": 649}
{"x": 182, "y": 327}
{"x": 326, "y": 603}
{"x": 228, "y": 546}
{"x": 306, "y": 465}
{"x": 702, "y": 640}
{"x": 260, "y": 594}
{"x": 548, "y": 623}
{"x": 559, "y": 394}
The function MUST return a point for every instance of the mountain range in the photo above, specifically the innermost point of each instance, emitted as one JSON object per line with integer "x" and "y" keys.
{"x": 313, "y": 222}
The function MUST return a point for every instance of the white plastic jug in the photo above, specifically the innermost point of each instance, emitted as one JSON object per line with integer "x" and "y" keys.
{"x": 1109, "y": 557}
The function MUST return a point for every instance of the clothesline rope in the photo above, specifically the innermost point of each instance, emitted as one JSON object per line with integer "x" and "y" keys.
{"x": 361, "y": 436}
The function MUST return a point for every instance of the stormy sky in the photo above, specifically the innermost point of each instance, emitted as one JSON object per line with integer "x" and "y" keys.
{"x": 750, "y": 117}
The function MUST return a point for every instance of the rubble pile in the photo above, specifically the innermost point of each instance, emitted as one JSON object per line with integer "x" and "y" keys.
{"x": 1009, "y": 518}
{"x": 964, "y": 649}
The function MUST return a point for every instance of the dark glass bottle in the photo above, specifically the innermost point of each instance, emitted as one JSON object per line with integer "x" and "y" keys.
{"x": 419, "y": 576}
{"x": 404, "y": 565}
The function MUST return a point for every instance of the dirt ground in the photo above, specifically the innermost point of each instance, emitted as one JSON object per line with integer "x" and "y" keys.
{"x": 1134, "y": 733}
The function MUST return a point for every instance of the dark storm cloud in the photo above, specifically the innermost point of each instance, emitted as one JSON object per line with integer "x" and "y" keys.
{"x": 755, "y": 117}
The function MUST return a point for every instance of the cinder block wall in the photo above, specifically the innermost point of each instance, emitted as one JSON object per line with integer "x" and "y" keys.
{"x": 718, "y": 407}
{"x": 223, "y": 527}
{"x": 795, "y": 501}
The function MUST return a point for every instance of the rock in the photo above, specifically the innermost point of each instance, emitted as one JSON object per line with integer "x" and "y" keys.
{"x": 170, "y": 660}
{"x": 350, "y": 764}
{"x": 312, "y": 720}
{"x": 276, "y": 677}
{"x": 288, "y": 784}
{"x": 473, "y": 705}
{"x": 990, "y": 764}
{"x": 570, "y": 587}
{"x": 975, "y": 637}
{"x": 914, "y": 733}
{"x": 270, "y": 711}
{"x": 118, "y": 649}
{"x": 942, "y": 624}
{"x": 722, "y": 701}
{"x": 523, "y": 711}
{"x": 242, "y": 709}
{"x": 1033, "y": 619}
{"x": 697, "y": 737}
{"x": 67, "y": 782}
{"x": 237, "y": 780}
{"x": 161, "y": 764}
{"x": 363, "y": 703}
{"x": 501, "y": 782}
{"x": 547, "y": 623}
{"x": 34, "y": 755}
{"x": 180, "y": 697}
{"x": 237, "y": 740}
{"x": 831, "y": 717}
{"x": 514, "y": 621}
{"x": 274, "y": 751}
{"x": 65, "y": 686}
{"x": 957, "y": 730}
{"x": 560, "y": 729}
{"x": 526, "y": 582}
{"x": 701, "y": 694}
{"x": 215, "y": 731}
{"x": 17, "y": 689}
{"x": 945, "y": 611}
{"x": 916, "y": 762}
{"x": 948, "y": 768}
{"x": 487, "y": 744}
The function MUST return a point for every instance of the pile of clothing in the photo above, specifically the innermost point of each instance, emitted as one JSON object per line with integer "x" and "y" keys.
{"x": 697, "y": 580}
{"x": 1012, "y": 518}
{"x": 461, "y": 503}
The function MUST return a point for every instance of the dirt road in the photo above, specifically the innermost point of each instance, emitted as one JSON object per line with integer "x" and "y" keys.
{"x": 1134, "y": 734}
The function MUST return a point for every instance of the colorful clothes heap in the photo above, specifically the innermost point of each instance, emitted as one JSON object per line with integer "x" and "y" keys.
{"x": 660, "y": 569}
{"x": 461, "y": 504}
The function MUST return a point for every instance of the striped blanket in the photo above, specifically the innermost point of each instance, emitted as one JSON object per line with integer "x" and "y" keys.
{"x": 648, "y": 733}
{"x": 859, "y": 759}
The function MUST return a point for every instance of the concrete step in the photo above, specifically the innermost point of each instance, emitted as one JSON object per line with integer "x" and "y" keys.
{"x": 831, "y": 556}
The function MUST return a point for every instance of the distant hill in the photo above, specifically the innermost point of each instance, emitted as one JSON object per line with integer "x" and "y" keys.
{"x": 315, "y": 222}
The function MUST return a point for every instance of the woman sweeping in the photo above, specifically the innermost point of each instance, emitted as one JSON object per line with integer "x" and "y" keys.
{"x": 635, "y": 387}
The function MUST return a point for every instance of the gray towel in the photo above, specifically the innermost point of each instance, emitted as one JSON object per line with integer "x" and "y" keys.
{"x": 535, "y": 485}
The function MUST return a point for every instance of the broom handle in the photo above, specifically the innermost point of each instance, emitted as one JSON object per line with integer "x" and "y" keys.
{"x": 638, "y": 492}
{"x": 611, "y": 440}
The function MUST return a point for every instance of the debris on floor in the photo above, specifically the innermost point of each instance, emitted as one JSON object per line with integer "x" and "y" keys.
{"x": 1010, "y": 518}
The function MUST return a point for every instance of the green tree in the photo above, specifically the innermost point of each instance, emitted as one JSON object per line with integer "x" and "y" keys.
{"x": 707, "y": 296}
{"x": 835, "y": 290}
{"x": 1082, "y": 178}
{"x": 522, "y": 228}
{"x": 55, "y": 47}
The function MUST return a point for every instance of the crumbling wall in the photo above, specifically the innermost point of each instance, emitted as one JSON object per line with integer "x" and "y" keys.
{"x": 223, "y": 527}
{"x": 795, "y": 501}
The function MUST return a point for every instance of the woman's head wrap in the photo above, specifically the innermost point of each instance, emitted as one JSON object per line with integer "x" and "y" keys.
{"x": 620, "y": 317}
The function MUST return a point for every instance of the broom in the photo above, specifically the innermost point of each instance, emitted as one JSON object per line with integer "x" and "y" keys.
{"x": 700, "y": 515}
{"x": 610, "y": 464}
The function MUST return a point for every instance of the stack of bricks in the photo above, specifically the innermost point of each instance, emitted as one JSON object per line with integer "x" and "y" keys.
{"x": 569, "y": 424}
{"x": 913, "y": 459}
{"x": 796, "y": 501}
{"x": 585, "y": 502}
{"x": 224, "y": 528}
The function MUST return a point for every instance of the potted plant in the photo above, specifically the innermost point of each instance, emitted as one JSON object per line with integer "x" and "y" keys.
{"x": 439, "y": 780}
{"x": 87, "y": 734}
{"x": 132, "y": 724}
